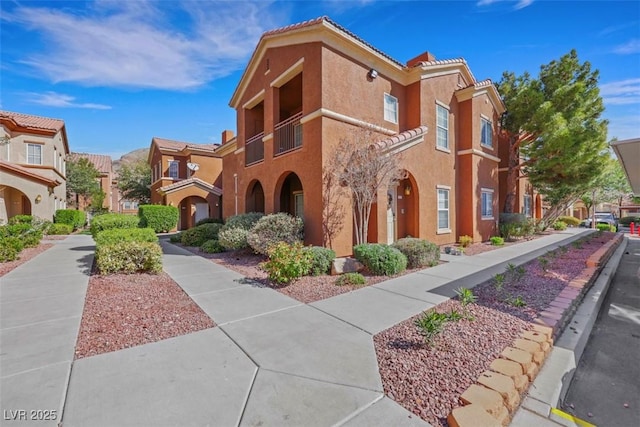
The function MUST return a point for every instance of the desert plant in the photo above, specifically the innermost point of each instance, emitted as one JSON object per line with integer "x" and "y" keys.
{"x": 381, "y": 259}
{"x": 321, "y": 259}
{"x": 234, "y": 238}
{"x": 245, "y": 220}
{"x": 351, "y": 279}
{"x": 559, "y": 226}
{"x": 498, "y": 281}
{"x": 419, "y": 252}
{"x": 287, "y": 262}
{"x": 117, "y": 235}
{"x": 273, "y": 229}
{"x": 571, "y": 221}
{"x": 129, "y": 257}
{"x": 196, "y": 236}
{"x": 544, "y": 263}
{"x": 60, "y": 229}
{"x": 212, "y": 247}
{"x": 112, "y": 220}
{"x": 465, "y": 241}
{"x": 577, "y": 244}
{"x": 497, "y": 241}
{"x": 159, "y": 217}
{"x": 563, "y": 249}
{"x": 517, "y": 301}
{"x": 466, "y": 297}
{"x": 431, "y": 323}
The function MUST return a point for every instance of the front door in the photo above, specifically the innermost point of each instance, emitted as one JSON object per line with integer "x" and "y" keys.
{"x": 202, "y": 211}
{"x": 391, "y": 216}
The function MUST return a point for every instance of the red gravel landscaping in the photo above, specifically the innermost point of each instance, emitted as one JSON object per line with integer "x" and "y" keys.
{"x": 124, "y": 311}
{"x": 25, "y": 255}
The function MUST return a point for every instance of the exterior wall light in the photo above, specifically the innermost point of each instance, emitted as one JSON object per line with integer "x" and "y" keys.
{"x": 38, "y": 198}
{"x": 407, "y": 190}
{"x": 373, "y": 73}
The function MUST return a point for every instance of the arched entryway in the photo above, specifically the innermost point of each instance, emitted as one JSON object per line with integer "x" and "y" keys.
{"x": 254, "y": 201}
{"x": 406, "y": 205}
{"x": 13, "y": 202}
{"x": 290, "y": 195}
{"x": 192, "y": 209}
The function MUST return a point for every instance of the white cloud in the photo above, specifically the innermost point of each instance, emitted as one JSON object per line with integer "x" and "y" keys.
{"x": 623, "y": 127}
{"x": 632, "y": 46}
{"x": 54, "y": 99}
{"x": 145, "y": 44}
{"x": 623, "y": 92}
{"x": 519, "y": 4}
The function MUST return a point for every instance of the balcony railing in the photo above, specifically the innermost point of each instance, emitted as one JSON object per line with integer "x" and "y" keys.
{"x": 254, "y": 149}
{"x": 288, "y": 135}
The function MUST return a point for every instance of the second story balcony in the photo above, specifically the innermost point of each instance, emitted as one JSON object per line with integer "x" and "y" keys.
{"x": 287, "y": 135}
{"x": 254, "y": 149}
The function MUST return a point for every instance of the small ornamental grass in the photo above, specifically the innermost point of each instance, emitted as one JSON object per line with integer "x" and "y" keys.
{"x": 351, "y": 279}
{"x": 431, "y": 323}
{"x": 321, "y": 259}
{"x": 287, "y": 262}
{"x": 419, "y": 252}
{"x": 381, "y": 259}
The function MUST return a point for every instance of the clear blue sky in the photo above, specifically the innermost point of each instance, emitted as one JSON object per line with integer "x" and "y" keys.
{"x": 120, "y": 72}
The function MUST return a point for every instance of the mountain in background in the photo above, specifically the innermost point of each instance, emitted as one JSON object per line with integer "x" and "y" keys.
{"x": 131, "y": 157}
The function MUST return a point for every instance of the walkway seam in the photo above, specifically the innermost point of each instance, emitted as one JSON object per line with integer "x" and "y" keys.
{"x": 35, "y": 369}
{"x": 321, "y": 380}
{"x": 358, "y": 412}
{"x": 246, "y": 399}
{"x": 261, "y": 314}
{"x": 341, "y": 320}
{"x": 65, "y": 394}
{"x": 40, "y": 323}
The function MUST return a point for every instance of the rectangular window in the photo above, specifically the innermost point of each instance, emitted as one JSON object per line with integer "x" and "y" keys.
{"x": 390, "y": 108}
{"x": 442, "y": 127}
{"x": 527, "y": 205}
{"x": 486, "y": 138}
{"x": 34, "y": 154}
{"x": 487, "y": 204}
{"x": 299, "y": 205}
{"x": 443, "y": 209}
{"x": 173, "y": 168}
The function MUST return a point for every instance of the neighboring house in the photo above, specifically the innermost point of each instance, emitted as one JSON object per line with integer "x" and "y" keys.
{"x": 32, "y": 165}
{"x": 103, "y": 165}
{"x": 309, "y": 85}
{"x": 188, "y": 176}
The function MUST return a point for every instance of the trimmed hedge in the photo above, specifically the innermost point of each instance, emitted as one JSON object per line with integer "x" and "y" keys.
{"x": 273, "y": 229}
{"x": 212, "y": 247}
{"x": 321, "y": 259}
{"x": 196, "y": 236}
{"x": 419, "y": 252}
{"x": 129, "y": 257}
{"x": 73, "y": 217}
{"x": 113, "y": 220}
{"x": 234, "y": 238}
{"x": 571, "y": 221}
{"x": 159, "y": 217}
{"x": 118, "y": 235}
{"x": 59, "y": 229}
{"x": 381, "y": 259}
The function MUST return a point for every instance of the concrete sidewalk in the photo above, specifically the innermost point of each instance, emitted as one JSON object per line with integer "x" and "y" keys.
{"x": 272, "y": 360}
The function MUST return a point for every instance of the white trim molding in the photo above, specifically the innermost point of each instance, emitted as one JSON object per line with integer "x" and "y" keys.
{"x": 480, "y": 153}
{"x": 288, "y": 74}
{"x": 324, "y": 112}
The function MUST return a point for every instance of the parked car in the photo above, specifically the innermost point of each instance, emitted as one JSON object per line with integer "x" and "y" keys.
{"x": 602, "y": 218}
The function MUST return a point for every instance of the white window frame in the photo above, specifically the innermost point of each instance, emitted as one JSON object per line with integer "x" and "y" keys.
{"x": 177, "y": 169}
{"x": 442, "y": 108}
{"x": 484, "y": 213}
{"x": 486, "y": 127}
{"x": 441, "y": 189}
{"x": 296, "y": 195}
{"x": 39, "y": 154}
{"x": 526, "y": 210}
{"x": 390, "y": 114}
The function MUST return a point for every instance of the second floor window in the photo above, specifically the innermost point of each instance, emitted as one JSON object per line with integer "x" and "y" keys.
{"x": 486, "y": 137}
{"x": 487, "y": 204}
{"x": 390, "y": 108}
{"x": 442, "y": 126}
{"x": 173, "y": 168}
{"x": 34, "y": 154}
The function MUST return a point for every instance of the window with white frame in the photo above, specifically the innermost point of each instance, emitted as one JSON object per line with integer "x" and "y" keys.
{"x": 443, "y": 209}
{"x": 298, "y": 198}
{"x": 486, "y": 203}
{"x": 442, "y": 127}
{"x": 527, "y": 205}
{"x": 173, "y": 168}
{"x": 390, "y": 108}
{"x": 129, "y": 205}
{"x": 34, "y": 154}
{"x": 486, "y": 136}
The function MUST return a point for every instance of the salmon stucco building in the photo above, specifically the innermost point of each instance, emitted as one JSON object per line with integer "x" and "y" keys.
{"x": 188, "y": 176}
{"x": 33, "y": 153}
{"x": 309, "y": 85}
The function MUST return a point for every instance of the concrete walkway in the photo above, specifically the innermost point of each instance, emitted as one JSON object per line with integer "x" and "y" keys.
{"x": 271, "y": 361}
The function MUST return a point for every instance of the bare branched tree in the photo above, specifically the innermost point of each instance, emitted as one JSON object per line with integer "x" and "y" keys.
{"x": 365, "y": 166}
{"x": 332, "y": 210}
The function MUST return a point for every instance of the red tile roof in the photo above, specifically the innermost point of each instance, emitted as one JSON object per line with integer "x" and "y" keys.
{"x": 101, "y": 162}
{"x": 32, "y": 122}
{"x": 402, "y": 137}
{"x": 169, "y": 144}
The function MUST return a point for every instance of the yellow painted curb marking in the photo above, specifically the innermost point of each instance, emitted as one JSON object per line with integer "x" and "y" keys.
{"x": 578, "y": 421}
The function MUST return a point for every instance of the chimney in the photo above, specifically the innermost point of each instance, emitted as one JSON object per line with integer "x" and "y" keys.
{"x": 227, "y": 135}
{"x": 423, "y": 57}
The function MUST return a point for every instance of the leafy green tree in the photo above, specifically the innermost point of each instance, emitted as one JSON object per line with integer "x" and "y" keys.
{"x": 611, "y": 186}
{"x": 82, "y": 178}
{"x": 556, "y": 135}
{"x": 134, "y": 181}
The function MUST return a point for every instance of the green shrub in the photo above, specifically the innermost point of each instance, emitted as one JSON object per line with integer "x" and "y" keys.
{"x": 212, "y": 247}
{"x": 380, "y": 259}
{"x": 16, "y": 243}
{"x": 159, "y": 217}
{"x": 430, "y": 324}
{"x": 606, "y": 227}
{"x": 275, "y": 228}
{"x": 351, "y": 279}
{"x": 20, "y": 219}
{"x": 497, "y": 241}
{"x": 113, "y": 220}
{"x": 176, "y": 238}
{"x": 7, "y": 253}
{"x": 32, "y": 239}
{"x": 234, "y": 238}
{"x": 287, "y": 262}
{"x": 118, "y": 235}
{"x": 196, "y": 236}
{"x": 15, "y": 230}
{"x": 559, "y": 225}
{"x": 513, "y": 229}
{"x": 571, "y": 221}
{"x": 465, "y": 241}
{"x": 129, "y": 257}
{"x": 73, "y": 217}
{"x": 60, "y": 229}
{"x": 627, "y": 220}
{"x": 321, "y": 259}
{"x": 210, "y": 221}
{"x": 245, "y": 220}
{"x": 419, "y": 253}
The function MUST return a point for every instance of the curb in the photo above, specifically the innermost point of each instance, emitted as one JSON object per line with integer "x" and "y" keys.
{"x": 551, "y": 385}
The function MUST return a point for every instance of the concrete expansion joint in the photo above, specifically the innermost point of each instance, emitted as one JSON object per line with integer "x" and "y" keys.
{"x": 43, "y": 322}
{"x": 260, "y": 315}
{"x": 341, "y": 320}
{"x": 320, "y": 380}
{"x": 358, "y": 411}
{"x": 246, "y": 398}
{"x": 255, "y": 362}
